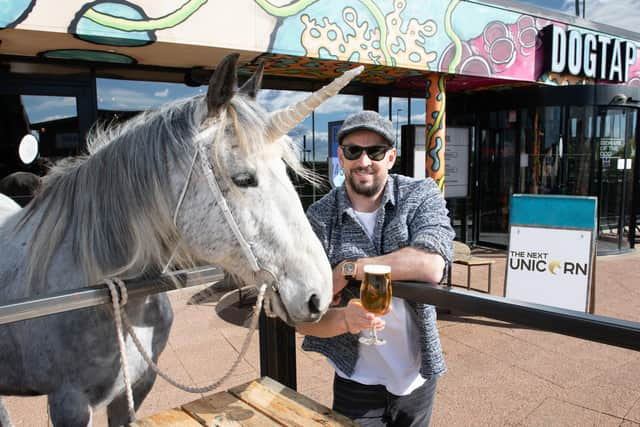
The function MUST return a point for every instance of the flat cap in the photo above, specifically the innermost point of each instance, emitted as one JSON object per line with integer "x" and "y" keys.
{"x": 367, "y": 120}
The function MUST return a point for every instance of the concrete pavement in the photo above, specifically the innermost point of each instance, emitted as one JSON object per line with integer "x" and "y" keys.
{"x": 499, "y": 373}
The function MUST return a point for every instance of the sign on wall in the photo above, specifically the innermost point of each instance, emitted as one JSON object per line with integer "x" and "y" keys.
{"x": 551, "y": 250}
{"x": 456, "y": 155}
{"x": 595, "y": 56}
{"x": 456, "y": 162}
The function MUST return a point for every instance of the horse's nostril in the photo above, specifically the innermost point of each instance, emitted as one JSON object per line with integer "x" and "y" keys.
{"x": 314, "y": 304}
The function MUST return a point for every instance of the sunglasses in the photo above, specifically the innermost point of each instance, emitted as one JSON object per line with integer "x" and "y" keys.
{"x": 353, "y": 152}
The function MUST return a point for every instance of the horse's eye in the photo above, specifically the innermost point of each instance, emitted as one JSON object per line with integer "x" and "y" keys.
{"x": 245, "y": 179}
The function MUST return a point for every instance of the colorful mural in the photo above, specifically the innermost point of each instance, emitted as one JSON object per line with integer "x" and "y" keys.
{"x": 14, "y": 12}
{"x": 399, "y": 39}
{"x": 452, "y": 36}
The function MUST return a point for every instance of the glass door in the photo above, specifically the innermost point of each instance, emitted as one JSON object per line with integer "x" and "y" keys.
{"x": 614, "y": 176}
{"x": 496, "y": 181}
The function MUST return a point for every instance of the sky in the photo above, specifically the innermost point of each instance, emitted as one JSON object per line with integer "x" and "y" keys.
{"x": 618, "y": 13}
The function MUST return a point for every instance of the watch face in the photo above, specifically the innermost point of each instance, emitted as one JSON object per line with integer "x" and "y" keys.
{"x": 348, "y": 268}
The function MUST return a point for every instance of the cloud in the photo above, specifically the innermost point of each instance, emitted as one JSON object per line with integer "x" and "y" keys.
{"x": 162, "y": 93}
{"x": 129, "y": 100}
{"x": 273, "y": 100}
{"x": 46, "y": 108}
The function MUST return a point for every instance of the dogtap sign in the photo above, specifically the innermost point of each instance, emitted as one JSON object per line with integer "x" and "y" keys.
{"x": 551, "y": 250}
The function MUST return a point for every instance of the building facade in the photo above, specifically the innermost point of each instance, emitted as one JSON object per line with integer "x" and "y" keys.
{"x": 512, "y": 96}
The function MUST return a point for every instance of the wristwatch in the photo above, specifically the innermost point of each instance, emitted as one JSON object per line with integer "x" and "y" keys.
{"x": 349, "y": 269}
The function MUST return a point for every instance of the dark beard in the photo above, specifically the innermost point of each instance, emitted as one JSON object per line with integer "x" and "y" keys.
{"x": 364, "y": 191}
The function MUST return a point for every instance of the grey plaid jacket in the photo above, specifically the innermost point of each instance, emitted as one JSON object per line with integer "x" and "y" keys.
{"x": 413, "y": 214}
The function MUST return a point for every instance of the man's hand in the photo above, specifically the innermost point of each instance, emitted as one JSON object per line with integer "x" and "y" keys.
{"x": 351, "y": 318}
{"x": 357, "y": 319}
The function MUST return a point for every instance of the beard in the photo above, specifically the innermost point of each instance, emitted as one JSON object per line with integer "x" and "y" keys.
{"x": 368, "y": 189}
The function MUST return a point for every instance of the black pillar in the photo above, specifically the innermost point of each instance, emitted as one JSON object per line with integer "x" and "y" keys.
{"x": 277, "y": 351}
{"x": 635, "y": 194}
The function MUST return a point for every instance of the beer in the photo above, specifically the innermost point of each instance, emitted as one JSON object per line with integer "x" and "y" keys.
{"x": 375, "y": 296}
{"x": 375, "y": 290}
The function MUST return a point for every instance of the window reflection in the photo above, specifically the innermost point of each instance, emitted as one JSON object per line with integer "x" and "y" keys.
{"x": 52, "y": 121}
{"x": 119, "y": 100}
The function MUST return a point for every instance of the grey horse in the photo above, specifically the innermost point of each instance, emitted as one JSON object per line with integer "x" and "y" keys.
{"x": 143, "y": 200}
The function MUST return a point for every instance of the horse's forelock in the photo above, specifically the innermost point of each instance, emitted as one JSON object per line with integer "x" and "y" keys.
{"x": 248, "y": 123}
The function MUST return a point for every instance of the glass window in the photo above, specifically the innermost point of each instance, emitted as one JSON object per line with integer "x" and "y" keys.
{"x": 418, "y": 111}
{"x": 398, "y": 112}
{"x": 578, "y": 151}
{"x": 121, "y": 99}
{"x": 545, "y": 147}
{"x": 52, "y": 120}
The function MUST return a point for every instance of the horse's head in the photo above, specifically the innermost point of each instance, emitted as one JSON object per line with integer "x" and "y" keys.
{"x": 245, "y": 152}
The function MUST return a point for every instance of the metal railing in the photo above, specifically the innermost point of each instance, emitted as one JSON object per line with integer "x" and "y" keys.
{"x": 277, "y": 340}
{"x": 30, "y": 308}
{"x": 602, "y": 329}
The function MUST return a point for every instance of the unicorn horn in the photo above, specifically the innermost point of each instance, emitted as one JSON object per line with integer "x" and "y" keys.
{"x": 282, "y": 121}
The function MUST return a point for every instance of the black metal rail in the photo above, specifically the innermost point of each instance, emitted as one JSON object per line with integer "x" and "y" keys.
{"x": 277, "y": 340}
{"x": 602, "y": 329}
{"x": 74, "y": 299}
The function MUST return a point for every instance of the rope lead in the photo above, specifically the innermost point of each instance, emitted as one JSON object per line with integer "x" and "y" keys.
{"x": 120, "y": 318}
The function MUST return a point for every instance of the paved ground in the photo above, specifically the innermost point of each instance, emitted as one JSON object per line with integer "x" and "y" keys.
{"x": 499, "y": 373}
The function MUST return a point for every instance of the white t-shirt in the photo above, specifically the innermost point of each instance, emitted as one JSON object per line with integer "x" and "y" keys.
{"x": 396, "y": 364}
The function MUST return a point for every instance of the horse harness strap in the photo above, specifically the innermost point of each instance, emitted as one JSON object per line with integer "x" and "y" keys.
{"x": 222, "y": 203}
{"x": 261, "y": 275}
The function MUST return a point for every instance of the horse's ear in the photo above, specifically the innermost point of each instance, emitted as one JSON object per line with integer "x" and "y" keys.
{"x": 251, "y": 86}
{"x": 223, "y": 84}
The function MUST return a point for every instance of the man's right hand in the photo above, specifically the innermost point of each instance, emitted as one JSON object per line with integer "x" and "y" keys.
{"x": 357, "y": 319}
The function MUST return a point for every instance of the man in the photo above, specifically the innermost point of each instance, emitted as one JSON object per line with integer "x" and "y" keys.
{"x": 379, "y": 218}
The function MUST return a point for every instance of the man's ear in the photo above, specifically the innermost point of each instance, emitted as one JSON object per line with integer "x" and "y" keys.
{"x": 393, "y": 153}
{"x": 340, "y": 156}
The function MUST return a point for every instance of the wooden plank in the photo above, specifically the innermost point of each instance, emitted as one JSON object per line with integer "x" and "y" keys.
{"x": 226, "y": 410}
{"x": 171, "y": 417}
{"x": 286, "y": 405}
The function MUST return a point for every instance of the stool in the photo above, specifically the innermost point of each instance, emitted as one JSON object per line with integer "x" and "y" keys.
{"x": 462, "y": 256}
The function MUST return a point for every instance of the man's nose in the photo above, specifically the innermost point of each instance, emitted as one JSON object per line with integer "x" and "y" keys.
{"x": 364, "y": 159}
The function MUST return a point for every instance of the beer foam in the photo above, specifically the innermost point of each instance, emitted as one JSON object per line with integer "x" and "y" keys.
{"x": 377, "y": 269}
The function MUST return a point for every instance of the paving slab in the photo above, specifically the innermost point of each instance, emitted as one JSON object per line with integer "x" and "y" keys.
{"x": 555, "y": 412}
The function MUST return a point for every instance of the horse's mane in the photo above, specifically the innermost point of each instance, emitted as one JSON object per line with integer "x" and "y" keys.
{"x": 112, "y": 205}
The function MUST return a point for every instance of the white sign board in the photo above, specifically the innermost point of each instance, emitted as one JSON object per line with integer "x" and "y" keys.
{"x": 456, "y": 162}
{"x": 549, "y": 266}
{"x": 456, "y": 159}
{"x": 551, "y": 250}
